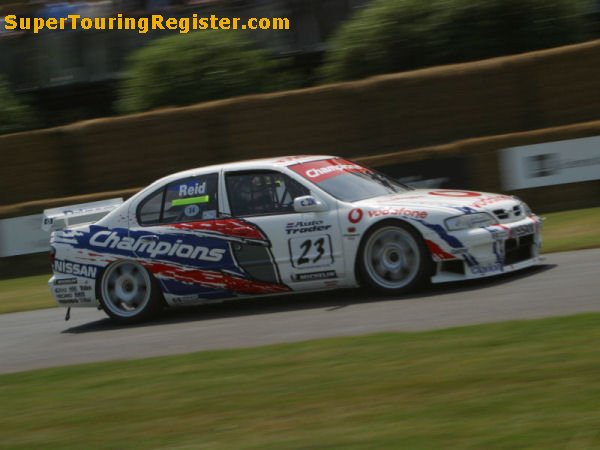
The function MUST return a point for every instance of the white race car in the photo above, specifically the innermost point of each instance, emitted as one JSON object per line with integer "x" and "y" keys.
{"x": 278, "y": 226}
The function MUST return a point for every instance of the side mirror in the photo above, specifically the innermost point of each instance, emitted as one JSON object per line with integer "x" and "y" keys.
{"x": 308, "y": 203}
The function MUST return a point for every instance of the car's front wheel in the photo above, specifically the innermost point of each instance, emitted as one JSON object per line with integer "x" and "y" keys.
{"x": 128, "y": 293}
{"x": 393, "y": 258}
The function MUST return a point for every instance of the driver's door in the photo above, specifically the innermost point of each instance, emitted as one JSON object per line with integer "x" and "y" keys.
{"x": 306, "y": 248}
{"x": 178, "y": 235}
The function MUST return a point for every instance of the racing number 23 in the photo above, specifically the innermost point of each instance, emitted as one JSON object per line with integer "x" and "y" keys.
{"x": 307, "y": 245}
{"x": 310, "y": 252}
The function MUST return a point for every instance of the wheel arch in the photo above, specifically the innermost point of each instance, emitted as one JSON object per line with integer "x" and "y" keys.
{"x": 101, "y": 272}
{"x": 386, "y": 221}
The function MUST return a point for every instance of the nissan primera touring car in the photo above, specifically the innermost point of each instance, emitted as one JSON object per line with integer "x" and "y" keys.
{"x": 279, "y": 226}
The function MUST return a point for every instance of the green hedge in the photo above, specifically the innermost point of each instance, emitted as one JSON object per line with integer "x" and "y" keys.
{"x": 201, "y": 66}
{"x": 399, "y": 35}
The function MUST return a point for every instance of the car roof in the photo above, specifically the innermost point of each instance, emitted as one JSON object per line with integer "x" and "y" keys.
{"x": 259, "y": 163}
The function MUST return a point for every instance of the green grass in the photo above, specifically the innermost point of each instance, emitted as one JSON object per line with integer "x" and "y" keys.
{"x": 512, "y": 385}
{"x": 25, "y": 294}
{"x": 569, "y": 230}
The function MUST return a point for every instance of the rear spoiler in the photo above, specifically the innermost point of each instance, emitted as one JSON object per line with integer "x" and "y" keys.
{"x": 62, "y": 217}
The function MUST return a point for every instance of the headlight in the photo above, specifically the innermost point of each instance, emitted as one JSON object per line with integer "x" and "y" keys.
{"x": 524, "y": 206}
{"x": 526, "y": 209}
{"x": 467, "y": 221}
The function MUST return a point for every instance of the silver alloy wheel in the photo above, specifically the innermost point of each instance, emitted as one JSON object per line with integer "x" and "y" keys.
{"x": 126, "y": 288}
{"x": 392, "y": 257}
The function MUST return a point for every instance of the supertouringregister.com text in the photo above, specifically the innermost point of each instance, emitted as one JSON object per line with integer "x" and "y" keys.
{"x": 142, "y": 25}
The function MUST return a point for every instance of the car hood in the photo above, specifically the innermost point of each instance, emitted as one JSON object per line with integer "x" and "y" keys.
{"x": 446, "y": 199}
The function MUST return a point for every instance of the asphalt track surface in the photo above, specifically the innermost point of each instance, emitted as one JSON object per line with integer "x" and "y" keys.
{"x": 564, "y": 284}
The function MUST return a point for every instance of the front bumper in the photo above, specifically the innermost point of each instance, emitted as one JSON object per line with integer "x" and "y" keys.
{"x": 70, "y": 291}
{"x": 491, "y": 251}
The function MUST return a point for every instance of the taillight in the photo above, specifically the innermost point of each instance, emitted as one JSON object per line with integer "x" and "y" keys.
{"x": 52, "y": 256}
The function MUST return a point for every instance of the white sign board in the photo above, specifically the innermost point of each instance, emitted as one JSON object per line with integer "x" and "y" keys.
{"x": 23, "y": 235}
{"x": 551, "y": 163}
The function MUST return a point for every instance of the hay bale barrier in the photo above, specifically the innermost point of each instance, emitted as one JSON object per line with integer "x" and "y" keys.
{"x": 389, "y": 113}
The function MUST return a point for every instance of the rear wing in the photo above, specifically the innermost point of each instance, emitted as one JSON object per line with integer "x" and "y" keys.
{"x": 84, "y": 213}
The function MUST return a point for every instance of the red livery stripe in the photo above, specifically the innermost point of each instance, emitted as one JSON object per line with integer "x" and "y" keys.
{"x": 215, "y": 280}
{"x": 227, "y": 227}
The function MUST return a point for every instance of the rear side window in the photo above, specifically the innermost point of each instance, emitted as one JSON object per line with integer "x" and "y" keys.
{"x": 186, "y": 200}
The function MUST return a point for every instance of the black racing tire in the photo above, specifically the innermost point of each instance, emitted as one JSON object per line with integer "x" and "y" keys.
{"x": 129, "y": 293}
{"x": 393, "y": 259}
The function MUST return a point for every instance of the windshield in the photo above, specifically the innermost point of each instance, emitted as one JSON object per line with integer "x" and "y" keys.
{"x": 348, "y": 181}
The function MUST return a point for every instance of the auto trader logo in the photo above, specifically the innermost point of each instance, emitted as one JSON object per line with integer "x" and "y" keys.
{"x": 306, "y": 227}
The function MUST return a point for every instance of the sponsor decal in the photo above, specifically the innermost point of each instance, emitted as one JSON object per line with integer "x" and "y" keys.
{"x": 306, "y": 227}
{"x": 190, "y": 200}
{"x": 499, "y": 232}
{"x": 209, "y": 215}
{"x": 490, "y": 200}
{"x": 63, "y": 281}
{"x": 483, "y": 269}
{"x": 321, "y": 170}
{"x": 318, "y": 173}
{"x": 185, "y": 299}
{"x": 355, "y": 215}
{"x": 446, "y": 193}
{"x": 72, "y": 294}
{"x": 111, "y": 239}
{"x": 67, "y": 301}
{"x": 522, "y": 230}
{"x": 399, "y": 212}
{"x": 328, "y": 274}
{"x": 192, "y": 189}
{"x": 81, "y": 270}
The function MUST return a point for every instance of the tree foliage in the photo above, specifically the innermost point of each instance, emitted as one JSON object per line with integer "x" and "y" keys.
{"x": 397, "y": 35}
{"x": 200, "y": 66}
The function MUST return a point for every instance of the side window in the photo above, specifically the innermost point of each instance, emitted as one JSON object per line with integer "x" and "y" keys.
{"x": 186, "y": 200}
{"x": 262, "y": 192}
{"x": 150, "y": 208}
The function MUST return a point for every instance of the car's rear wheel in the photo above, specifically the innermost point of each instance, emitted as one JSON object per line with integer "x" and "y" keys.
{"x": 393, "y": 258}
{"x": 128, "y": 293}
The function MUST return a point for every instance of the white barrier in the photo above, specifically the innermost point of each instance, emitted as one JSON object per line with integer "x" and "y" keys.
{"x": 23, "y": 235}
{"x": 551, "y": 163}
